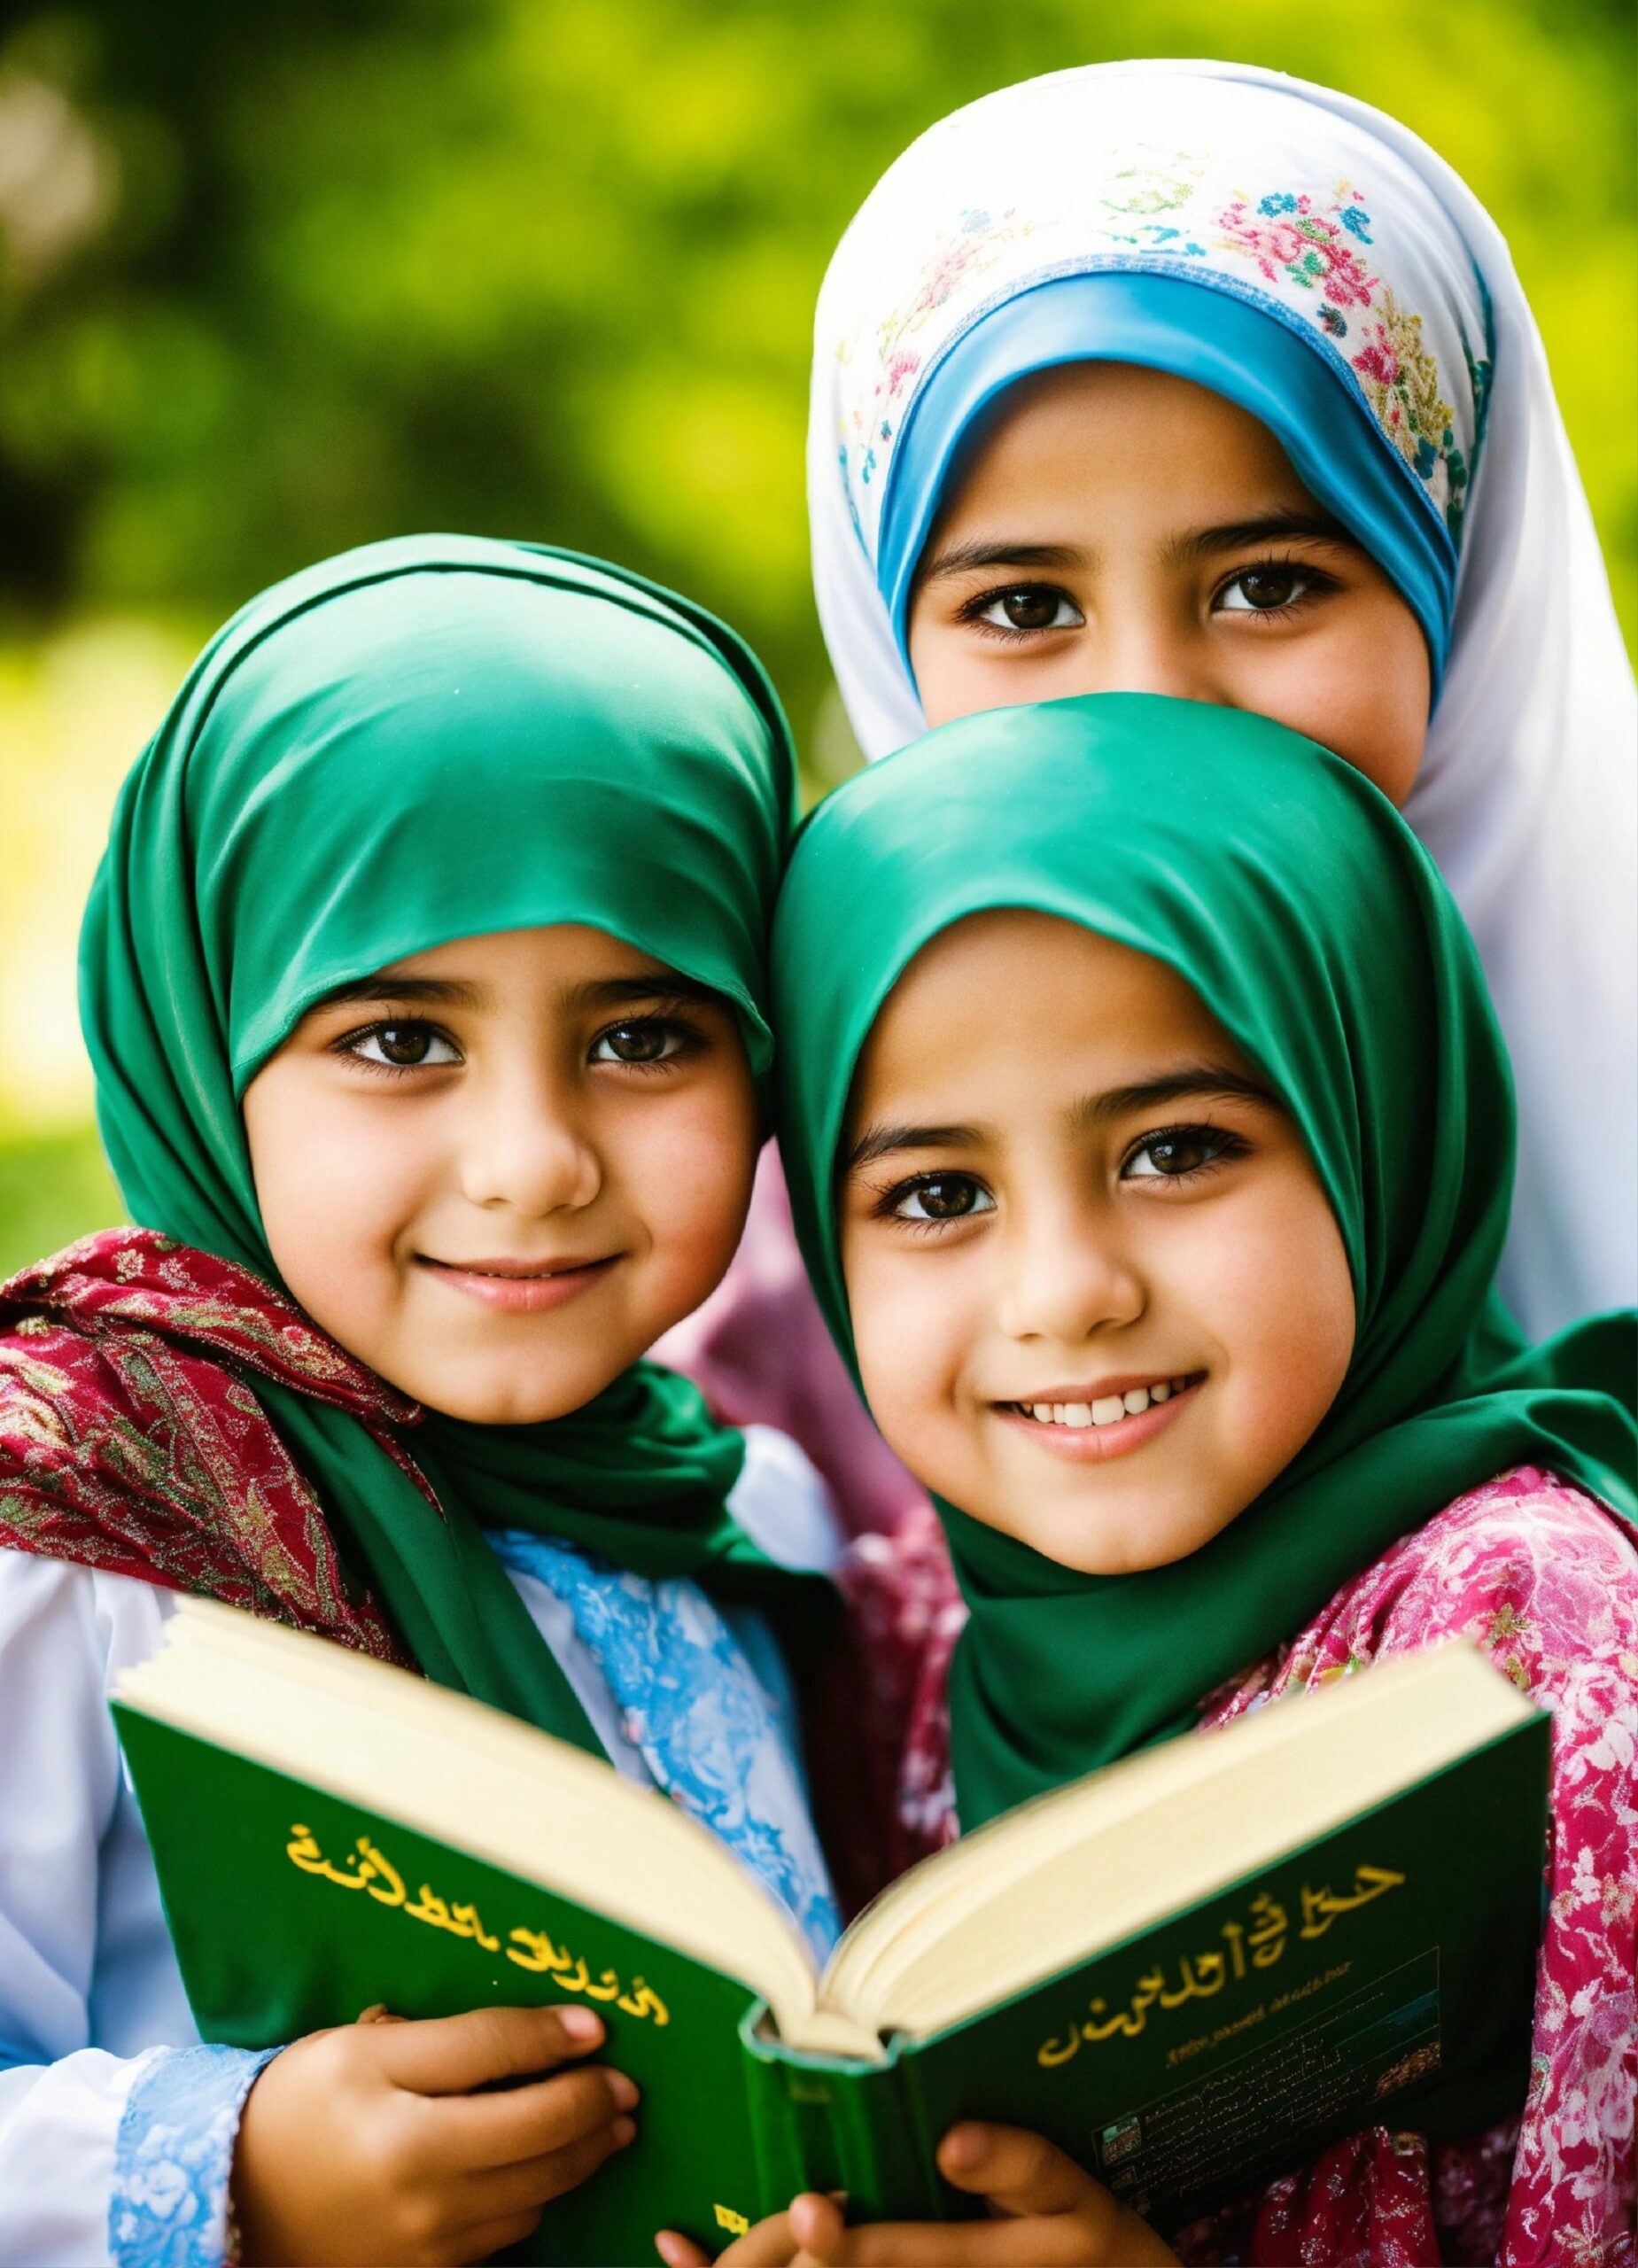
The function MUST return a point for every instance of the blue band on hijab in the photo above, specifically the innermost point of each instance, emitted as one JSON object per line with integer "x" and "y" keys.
{"x": 1249, "y": 352}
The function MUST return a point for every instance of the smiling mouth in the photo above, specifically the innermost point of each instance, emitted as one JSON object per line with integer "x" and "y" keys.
{"x": 1101, "y": 1412}
{"x": 518, "y": 1286}
{"x": 512, "y": 1271}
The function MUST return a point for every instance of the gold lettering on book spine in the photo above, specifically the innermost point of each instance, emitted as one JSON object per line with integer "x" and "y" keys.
{"x": 1201, "y": 1975}
{"x": 367, "y": 1867}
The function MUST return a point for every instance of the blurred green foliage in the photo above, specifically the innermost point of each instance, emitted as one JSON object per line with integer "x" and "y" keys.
{"x": 277, "y": 280}
{"x": 53, "y": 1187}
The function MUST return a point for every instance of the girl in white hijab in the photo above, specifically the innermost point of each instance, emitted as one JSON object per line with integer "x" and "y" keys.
{"x": 1311, "y": 264}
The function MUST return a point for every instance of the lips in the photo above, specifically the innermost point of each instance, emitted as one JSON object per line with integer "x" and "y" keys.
{"x": 1107, "y": 1403}
{"x": 1086, "y": 1424}
{"x": 531, "y": 1271}
{"x": 519, "y": 1286}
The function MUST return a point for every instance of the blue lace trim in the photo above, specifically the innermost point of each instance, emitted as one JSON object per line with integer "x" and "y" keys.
{"x": 705, "y": 1724}
{"x": 173, "y": 2157}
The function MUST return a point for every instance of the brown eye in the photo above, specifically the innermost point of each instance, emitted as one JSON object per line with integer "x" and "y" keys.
{"x": 1175, "y": 1154}
{"x": 1261, "y": 589}
{"x": 649, "y": 1040}
{"x": 942, "y": 1196}
{"x": 1031, "y": 606}
{"x": 1178, "y": 1150}
{"x": 1030, "y": 609}
{"x": 402, "y": 1046}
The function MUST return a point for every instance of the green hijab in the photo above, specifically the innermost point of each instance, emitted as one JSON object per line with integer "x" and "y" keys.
{"x": 1291, "y": 895}
{"x": 424, "y": 740}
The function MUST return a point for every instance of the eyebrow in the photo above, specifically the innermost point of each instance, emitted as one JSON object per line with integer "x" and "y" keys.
{"x": 962, "y": 558}
{"x": 1193, "y": 1082}
{"x": 1199, "y": 1082}
{"x": 879, "y": 1141}
{"x": 432, "y": 992}
{"x": 1236, "y": 535}
{"x": 665, "y": 984}
{"x": 1285, "y": 523}
{"x": 454, "y": 992}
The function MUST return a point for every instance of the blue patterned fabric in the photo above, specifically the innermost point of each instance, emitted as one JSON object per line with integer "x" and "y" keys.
{"x": 173, "y": 2157}
{"x": 711, "y": 1731}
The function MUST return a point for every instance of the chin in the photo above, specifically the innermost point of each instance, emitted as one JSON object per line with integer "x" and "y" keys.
{"x": 1130, "y": 1544}
{"x": 522, "y": 1401}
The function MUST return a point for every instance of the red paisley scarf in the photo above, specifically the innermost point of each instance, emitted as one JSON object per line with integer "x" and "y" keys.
{"x": 131, "y": 1438}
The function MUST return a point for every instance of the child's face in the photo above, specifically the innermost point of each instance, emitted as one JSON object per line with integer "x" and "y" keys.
{"x": 1121, "y": 530}
{"x": 498, "y": 1171}
{"x": 1067, "y": 1195}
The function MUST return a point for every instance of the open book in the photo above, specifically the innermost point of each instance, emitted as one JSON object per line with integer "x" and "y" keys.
{"x": 1189, "y": 1969}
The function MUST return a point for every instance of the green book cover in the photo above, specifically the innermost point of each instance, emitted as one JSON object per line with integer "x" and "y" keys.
{"x": 1381, "y": 1970}
{"x": 1382, "y": 1976}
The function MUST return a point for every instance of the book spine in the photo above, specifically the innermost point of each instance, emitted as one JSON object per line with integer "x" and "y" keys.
{"x": 824, "y": 2125}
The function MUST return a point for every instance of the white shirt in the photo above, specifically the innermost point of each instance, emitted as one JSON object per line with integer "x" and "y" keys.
{"x": 110, "y": 2147}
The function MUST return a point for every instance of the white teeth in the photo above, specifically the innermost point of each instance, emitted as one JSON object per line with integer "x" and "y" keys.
{"x": 1107, "y": 1409}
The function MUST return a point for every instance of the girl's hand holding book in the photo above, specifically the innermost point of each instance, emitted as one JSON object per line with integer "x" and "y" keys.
{"x": 375, "y": 2142}
{"x": 1046, "y": 2213}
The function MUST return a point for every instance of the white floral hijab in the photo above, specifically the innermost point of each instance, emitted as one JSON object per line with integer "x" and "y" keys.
{"x": 1354, "y": 236}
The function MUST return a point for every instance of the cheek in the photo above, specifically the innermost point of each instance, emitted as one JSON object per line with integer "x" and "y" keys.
{"x": 912, "y": 1330}
{"x": 956, "y": 675}
{"x": 685, "y": 1171}
{"x": 1362, "y": 691}
{"x": 1287, "y": 1299}
{"x": 336, "y": 1182}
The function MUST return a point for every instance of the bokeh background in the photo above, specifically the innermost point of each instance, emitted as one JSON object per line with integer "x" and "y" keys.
{"x": 276, "y": 280}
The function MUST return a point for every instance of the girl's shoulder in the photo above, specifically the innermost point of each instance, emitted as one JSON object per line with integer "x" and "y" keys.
{"x": 1531, "y": 1568}
{"x": 124, "y": 1365}
{"x": 125, "y": 1287}
{"x": 906, "y": 1613}
{"x": 132, "y": 1440}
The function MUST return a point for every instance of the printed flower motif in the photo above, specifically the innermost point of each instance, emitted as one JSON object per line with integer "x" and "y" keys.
{"x": 1527, "y": 1561}
{"x": 1164, "y": 210}
{"x": 978, "y": 236}
{"x": 1286, "y": 235}
{"x": 1400, "y": 381}
{"x": 1163, "y": 187}
{"x": 898, "y": 371}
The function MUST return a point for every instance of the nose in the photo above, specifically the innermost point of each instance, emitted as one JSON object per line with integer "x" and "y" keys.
{"x": 1146, "y": 648}
{"x": 526, "y": 1147}
{"x": 1066, "y": 1276}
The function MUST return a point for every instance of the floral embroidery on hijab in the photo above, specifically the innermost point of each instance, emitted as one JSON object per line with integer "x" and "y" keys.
{"x": 1241, "y": 220}
{"x": 1284, "y": 235}
{"x": 1401, "y": 379}
{"x": 958, "y": 256}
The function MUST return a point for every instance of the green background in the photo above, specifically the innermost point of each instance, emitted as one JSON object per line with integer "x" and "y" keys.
{"x": 276, "y": 280}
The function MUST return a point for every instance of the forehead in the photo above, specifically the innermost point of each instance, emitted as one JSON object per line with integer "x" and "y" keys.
{"x": 556, "y": 951}
{"x": 1017, "y": 1003}
{"x": 1093, "y": 430}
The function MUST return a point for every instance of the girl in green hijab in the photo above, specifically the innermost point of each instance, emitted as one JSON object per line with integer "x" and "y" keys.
{"x": 1150, "y": 1140}
{"x": 424, "y": 979}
